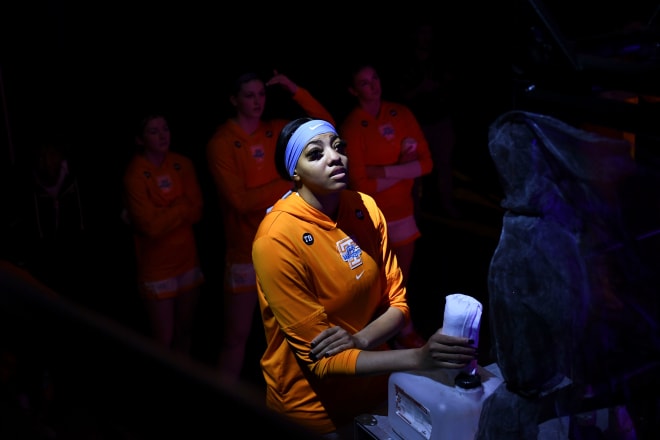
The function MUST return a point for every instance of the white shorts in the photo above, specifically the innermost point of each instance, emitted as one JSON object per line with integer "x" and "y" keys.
{"x": 403, "y": 231}
{"x": 171, "y": 287}
{"x": 240, "y": 277}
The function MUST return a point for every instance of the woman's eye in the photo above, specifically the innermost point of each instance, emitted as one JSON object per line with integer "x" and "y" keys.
{"x": 340, "y": 147}
{"x": 314, "y": 155}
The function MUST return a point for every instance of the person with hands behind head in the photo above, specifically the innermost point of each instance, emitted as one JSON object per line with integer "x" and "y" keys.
{"x": 331, "y": 293}
{"x": 389, "y": 153}
{"x": 241, "y": 161}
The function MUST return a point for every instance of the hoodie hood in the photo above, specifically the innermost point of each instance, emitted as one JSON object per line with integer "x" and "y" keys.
{"x": 292, "y": 204}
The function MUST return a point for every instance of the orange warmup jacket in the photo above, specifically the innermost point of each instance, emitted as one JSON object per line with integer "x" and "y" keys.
{"x": 163, "y": 204}
{"x": 313, "y": 273}
{"x": 377, "y": 141}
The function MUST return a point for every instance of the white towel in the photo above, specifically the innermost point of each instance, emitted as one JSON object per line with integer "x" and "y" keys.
{"x": 462, "y": 316}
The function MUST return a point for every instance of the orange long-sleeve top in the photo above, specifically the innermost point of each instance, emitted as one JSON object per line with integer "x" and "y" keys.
{"x": 377, "y": 141}
{"x": 313, "y": 273}
{"x": 163, "y": 204}
{"x": 243, "y": 169}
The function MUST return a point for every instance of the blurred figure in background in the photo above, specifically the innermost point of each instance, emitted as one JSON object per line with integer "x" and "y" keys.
{"x": 241, "y": 160}
{"x": 388, "y": 151}
{"x": 163, "y": 203}
{"x": 426, "y": 84}
{"x": 49, "y": 230}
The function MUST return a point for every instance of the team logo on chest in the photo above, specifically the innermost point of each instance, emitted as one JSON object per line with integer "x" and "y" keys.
{"x": 387, "y": 131}
{"x": 258, "y": 153}
{"x": 350, "y": 252}
{"x": 164, "y": 183}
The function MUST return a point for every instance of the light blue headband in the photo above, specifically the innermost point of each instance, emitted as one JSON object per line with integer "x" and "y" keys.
{"x": 301, "y": 137}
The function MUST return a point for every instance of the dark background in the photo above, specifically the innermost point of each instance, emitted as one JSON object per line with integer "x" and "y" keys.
{"x": 83, "y": 71}
{"x": 86, "y": 69}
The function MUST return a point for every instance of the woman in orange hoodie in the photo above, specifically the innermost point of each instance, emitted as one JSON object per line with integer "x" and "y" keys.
{"x": 331, "y": 292}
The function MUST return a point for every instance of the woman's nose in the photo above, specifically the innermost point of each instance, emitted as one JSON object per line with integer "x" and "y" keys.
{"x": 333, "y": 156}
